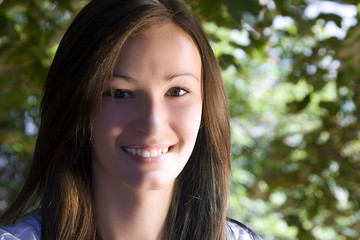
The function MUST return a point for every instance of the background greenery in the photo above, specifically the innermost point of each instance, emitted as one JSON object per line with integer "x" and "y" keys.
{"x": 293, "y": 86}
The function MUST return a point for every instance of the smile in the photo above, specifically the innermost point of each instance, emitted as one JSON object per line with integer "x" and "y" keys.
{"x": 146, "y": 153}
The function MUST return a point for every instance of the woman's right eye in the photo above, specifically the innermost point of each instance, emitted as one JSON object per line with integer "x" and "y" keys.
{"x": 118, "y": 93}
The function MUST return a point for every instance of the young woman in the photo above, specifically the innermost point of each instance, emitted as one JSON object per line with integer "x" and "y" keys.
{"x": 134, "y": 138}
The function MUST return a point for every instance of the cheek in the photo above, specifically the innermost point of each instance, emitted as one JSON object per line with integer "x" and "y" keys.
{"x": 186, "y": 121}
{"x": 109, "y": 121}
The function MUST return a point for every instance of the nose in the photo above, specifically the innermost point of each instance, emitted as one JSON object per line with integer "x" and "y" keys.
{"x": 151, "y": 115}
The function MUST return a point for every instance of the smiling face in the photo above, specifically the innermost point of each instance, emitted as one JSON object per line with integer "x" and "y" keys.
{"x": 147, "y": 124}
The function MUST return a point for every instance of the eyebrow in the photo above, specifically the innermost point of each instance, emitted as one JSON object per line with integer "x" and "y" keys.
{"x": 127, "y": 78}
{"x": 167, "y": 78}
{"x": 171, "y": 77}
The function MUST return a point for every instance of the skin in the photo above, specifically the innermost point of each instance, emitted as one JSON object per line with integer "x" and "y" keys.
{"x": 152, "y": 104}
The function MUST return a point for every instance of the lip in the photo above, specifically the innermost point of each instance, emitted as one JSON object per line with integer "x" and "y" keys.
{"x": 142, "y": 153}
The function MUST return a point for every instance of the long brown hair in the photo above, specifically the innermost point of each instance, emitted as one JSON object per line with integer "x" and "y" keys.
{"x": 60, "y": 179}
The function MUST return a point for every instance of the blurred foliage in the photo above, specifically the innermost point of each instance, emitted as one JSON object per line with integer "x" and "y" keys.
{"x": 292, "y": 83}
{"x": 29, "y": 34}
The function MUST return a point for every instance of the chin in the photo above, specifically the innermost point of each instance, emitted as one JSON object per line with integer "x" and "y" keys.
{"x": 152, "y": 181}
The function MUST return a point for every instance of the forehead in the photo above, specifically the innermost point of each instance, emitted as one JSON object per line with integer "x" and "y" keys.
{"x": 161, "y": 49}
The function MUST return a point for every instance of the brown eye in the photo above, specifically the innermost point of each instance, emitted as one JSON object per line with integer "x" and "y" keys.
{"x": 118, "y": 93}
{"x": 176, "y": 92}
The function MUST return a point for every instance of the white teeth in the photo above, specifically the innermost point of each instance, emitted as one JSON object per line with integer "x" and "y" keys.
{"x": 153, "y": 153}
{"x": 147, "y": 153}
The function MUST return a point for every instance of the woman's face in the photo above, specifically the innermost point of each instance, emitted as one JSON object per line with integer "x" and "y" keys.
{"x": 146, "y": 127}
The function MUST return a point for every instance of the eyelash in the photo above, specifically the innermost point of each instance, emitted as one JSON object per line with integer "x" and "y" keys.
{"x": 120, "y": 93}
{"x": 114, "y": 92}
{"x": 178, "y": 89}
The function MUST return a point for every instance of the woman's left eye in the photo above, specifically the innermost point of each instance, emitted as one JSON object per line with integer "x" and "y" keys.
{"x": 177, "y": 92}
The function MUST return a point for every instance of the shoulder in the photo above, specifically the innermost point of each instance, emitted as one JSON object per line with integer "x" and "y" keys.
{"x": 238, "y": 231}
{"x": 28, "y": 228}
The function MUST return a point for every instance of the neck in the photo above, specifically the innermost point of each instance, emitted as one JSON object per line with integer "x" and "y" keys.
{"x": 126, "y": 213}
